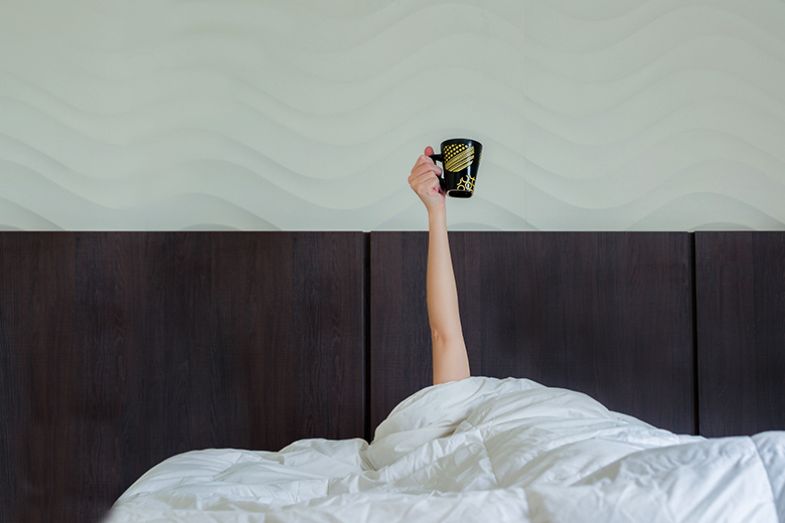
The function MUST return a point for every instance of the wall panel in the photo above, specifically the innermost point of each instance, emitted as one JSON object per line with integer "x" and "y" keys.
{"x": 118, "y": 350}
{"x": 608, "y": 314}
{"x": 741, "y": 331}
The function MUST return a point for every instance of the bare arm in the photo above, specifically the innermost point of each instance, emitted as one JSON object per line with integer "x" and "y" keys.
{"x": 450, "y": 359}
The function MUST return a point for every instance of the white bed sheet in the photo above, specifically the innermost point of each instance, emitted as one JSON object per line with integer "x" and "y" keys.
{"x": 479, "y": 449}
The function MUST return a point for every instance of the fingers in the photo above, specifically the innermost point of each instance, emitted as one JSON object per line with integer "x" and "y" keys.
{"x": 422, "y": 159}
{"x": 425, "y": 178}
{"x": 425, "y": 156}
{"x": 425, "y": 163}
{"x": 425, "y": 167}
{"x": 424, "y": 173}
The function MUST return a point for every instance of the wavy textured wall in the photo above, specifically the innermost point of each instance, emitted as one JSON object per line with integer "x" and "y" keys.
{"x": 241, "y": 114}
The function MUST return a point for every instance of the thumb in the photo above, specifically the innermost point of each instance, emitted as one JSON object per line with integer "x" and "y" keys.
{"x": 428, "y": 150}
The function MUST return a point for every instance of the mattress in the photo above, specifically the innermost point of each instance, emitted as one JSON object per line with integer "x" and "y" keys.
{"x": 479, "y": 449}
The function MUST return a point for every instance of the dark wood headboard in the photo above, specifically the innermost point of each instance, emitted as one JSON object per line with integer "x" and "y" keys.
{"x": 120, "y": 349}
{"x": 609, "y": 314}
{"x": 741, "y": 331}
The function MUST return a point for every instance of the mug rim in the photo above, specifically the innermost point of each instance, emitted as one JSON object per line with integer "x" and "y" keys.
{"x": 461, "y": 140}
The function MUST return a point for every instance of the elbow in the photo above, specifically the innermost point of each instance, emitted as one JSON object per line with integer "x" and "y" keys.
{"x": 445, "y": 336}
{"x": 437, "y": 336}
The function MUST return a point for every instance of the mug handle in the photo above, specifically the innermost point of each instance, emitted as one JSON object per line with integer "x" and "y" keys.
{"x": 439, "y": 158}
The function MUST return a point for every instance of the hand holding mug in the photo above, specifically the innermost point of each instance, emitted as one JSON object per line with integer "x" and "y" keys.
{"x": 425, "y": 181}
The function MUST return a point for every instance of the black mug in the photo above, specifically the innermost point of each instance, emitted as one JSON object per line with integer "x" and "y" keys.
{"x": 461, "y": 160}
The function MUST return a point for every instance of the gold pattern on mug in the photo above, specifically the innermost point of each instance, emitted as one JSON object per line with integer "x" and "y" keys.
{"x": 458, "y": 157}
{"x": 466, "y": 183}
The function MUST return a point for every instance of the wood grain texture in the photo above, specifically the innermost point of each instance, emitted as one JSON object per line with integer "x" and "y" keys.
{"x": 118, "y": 350}
{"x": 605, "y": 313}
{"x": 740, "y": 298}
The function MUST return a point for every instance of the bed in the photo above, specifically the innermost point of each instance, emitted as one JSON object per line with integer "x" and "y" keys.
{"x": 286, "y": 375}
{"x": 476, "y": 450}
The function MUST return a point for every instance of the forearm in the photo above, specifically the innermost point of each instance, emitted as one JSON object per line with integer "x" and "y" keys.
{"x": 441, "y": 292}
{"x": 450, "y": 360}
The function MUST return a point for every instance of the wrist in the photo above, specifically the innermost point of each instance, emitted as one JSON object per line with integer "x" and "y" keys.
{"x": 437, "y": 214}
{"x": 436, "y": 207}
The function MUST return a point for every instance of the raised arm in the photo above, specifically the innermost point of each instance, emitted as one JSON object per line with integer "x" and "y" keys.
{"x": 450, "y": 359}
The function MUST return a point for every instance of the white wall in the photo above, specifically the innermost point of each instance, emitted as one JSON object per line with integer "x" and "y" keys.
{"x": 609, "y": 114}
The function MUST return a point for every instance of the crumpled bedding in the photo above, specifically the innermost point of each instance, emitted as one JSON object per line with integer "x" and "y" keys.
{"x": 478, "y": 449}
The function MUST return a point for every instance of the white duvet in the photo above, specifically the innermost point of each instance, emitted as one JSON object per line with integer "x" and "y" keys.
{"x": 478, "y": 449}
